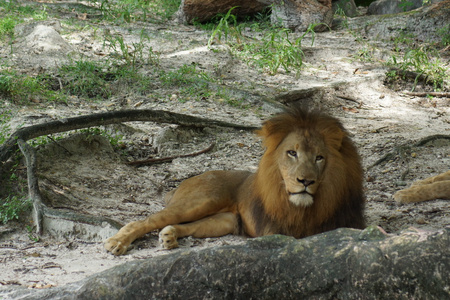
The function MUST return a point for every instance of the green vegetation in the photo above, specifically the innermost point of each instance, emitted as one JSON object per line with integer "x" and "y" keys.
{"x": 410, "y": 60}
{"x": 24, "y": 89}
{"x": 138, "y": 10}
{"x": 274, "y": 50}
{"x": 444, "y": 33}
{"x": 424, "y": 63}
{"x": 13, "y": 13}
{"x": 7, "y": 25}
{"x": 12, "y": 207}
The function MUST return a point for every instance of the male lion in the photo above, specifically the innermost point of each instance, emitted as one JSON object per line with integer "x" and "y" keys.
{"x": 309, "y": 181}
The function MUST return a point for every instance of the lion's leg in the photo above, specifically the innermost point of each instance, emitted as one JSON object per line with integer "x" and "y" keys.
{"x": 119, "y": 243}
{"x": 196, "y": 198}
{"x": 212, "y": 226}
{"x": 440, "y": 177}
{"x": 419, "y": 193}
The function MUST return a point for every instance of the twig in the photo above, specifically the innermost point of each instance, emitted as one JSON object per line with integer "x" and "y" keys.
{"x": 348, "y": 98}
{"x": 168, "y": 159}
{"x": 57, "y": 143}
{"x": 425, "y": 94}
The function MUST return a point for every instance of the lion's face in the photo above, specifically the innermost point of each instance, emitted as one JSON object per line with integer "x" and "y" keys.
{"x": 301, "y": 161}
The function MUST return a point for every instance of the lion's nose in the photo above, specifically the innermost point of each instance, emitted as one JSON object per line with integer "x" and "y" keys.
{"x": 305, "y": 182}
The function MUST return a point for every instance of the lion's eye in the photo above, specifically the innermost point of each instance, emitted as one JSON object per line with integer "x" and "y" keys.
{"x": 319, "y": 158}
{"x": 292, "y": 153}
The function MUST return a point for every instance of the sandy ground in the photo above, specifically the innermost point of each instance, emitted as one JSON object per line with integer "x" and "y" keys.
{"x": 92, "y": 177}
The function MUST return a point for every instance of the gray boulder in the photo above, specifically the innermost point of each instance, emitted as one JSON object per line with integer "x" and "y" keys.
{"x": 340, "y": 264}
{"x": 383, "y": 7}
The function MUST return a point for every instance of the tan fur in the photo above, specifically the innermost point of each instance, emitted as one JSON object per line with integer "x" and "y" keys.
{"x": 309, "y": 180}
{"x": 436, "y": 187}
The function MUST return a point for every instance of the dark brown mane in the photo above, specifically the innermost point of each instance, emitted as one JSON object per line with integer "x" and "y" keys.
{"x": 339, "y": 201}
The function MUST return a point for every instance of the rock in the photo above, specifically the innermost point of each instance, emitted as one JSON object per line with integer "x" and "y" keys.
{"x": 204, "y": 10}
{"x": 383, "y": 7}
{"x": 297, "y": 15}
{"x": 424, "y": 23}
{"x": 346, "y": 6}
{"x": 340, "y": 264}
{"x": 40, "y": 45}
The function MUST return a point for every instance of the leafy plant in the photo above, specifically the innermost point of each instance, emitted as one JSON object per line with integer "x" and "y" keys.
{"x": 135, "y": 53}
{"x": 114, "y": 138}
{"x": 444, "y": 33}
{"x": 405, "y": 4}
{"x": 227, "y": 26}
{"x": 5, "y": 116}
{"x": 422, "y": 63}
{"x": 11, "y": 207}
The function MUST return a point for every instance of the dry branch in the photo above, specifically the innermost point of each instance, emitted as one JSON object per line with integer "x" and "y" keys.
{"x": 114, "y": 117}
{"x": 425, "y": 94}
{"x": 405, "y": 146}
{"x": 168, "y": 159}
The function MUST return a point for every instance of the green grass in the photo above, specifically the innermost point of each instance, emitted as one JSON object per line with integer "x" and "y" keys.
{"x": 7, "y": 25}
{"x": 275, "y": 50}
{"x": 12, "y": 13}
{"x": 138, "y": 10}
{"x": 24, "y": 89}
{"x": 444, "y": 33}
{"x": 192, "y": 82}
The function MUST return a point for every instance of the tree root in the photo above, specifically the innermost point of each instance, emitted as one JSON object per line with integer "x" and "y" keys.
{"x": 406, "y": 146}
{"x": 113, "y": 117}
{"x": 41, "y": 211}
{"x": 42, "y": 214}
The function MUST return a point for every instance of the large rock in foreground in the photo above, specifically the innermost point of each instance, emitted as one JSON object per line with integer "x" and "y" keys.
{"x": 341, "y": 264}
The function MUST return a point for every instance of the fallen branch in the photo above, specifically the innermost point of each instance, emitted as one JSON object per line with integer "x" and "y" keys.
{"x": 425, "y": 94}
{"x": 402, "y": 148}
{"x": 168, "y": 159}
{"x": 114, "y": 117}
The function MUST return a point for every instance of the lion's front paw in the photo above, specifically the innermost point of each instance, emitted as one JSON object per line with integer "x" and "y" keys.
{"x": 168, "y": 237}
{"x": 115, "y": 246}
{"x": 403, "y": 197}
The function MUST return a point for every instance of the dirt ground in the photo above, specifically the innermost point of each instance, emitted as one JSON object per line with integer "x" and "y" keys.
{"x": 88, "y": 175}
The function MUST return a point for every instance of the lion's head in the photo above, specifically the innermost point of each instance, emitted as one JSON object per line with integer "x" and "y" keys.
{"x": 310, "y": 175}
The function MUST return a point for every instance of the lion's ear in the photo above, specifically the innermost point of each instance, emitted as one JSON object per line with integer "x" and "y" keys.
{"x": 333, "y": 136}
{"x": 272, "y": 134}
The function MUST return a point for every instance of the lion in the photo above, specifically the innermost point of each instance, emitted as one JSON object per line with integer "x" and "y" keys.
{"x": 309, "y": 180}
{"x": 436, "y": 187}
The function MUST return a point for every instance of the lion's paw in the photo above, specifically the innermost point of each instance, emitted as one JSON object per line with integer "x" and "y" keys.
{"x": 404, "y": 196}
{"x": 168, "y": 237}
{"x": 115, "y": 246}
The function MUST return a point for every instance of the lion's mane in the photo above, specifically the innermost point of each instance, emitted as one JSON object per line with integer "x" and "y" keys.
{"x": 339, "y": 201}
